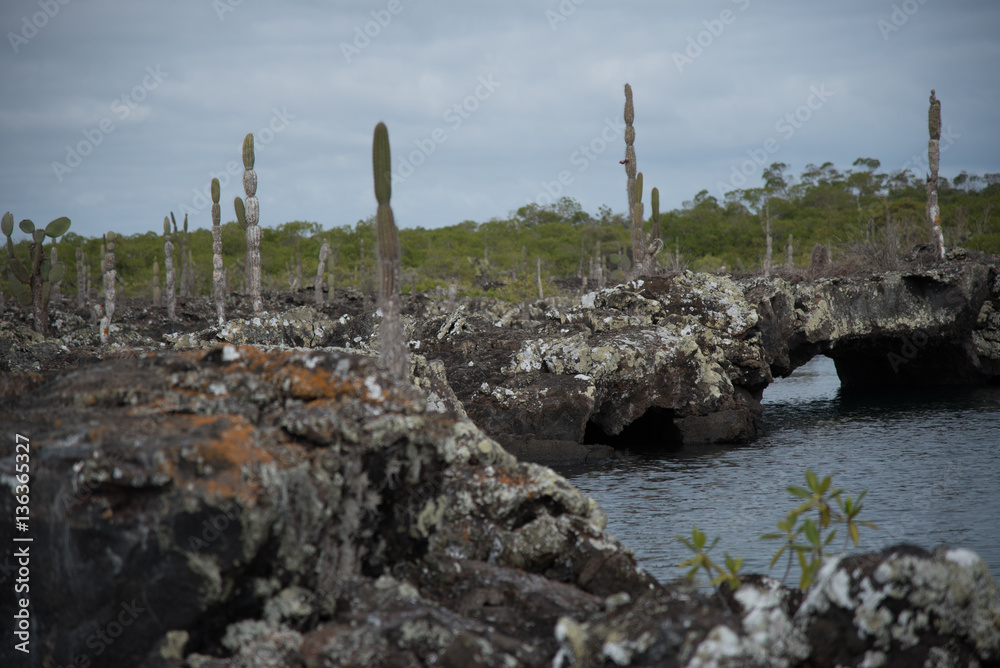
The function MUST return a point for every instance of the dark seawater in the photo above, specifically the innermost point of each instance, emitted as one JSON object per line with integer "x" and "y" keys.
{"x": 930, "y": 461}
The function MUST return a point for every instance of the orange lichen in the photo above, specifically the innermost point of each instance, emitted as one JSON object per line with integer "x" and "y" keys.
{"x": 228, "y": 452}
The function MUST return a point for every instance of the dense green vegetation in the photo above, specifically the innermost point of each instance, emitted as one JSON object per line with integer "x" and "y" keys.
{"x": 823, "y": 205}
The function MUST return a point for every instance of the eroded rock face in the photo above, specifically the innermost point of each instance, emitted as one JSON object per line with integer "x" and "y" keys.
{"x": 684, "y": 358}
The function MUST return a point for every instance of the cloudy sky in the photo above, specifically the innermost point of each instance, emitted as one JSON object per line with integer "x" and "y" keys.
{"x": 115, "y": 112}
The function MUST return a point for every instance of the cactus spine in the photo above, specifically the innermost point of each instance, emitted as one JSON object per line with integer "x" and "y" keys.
{"x": 33, "y": 284}
{"x": 168, "y": 263}
{"x": 324, "y": 253}
{"x": 110, "y": 276}
{"x": 249, "y": 218}
{"x": 392, "y": 345}
{"x": 934, "y": 158}
{"x": 218, "y": 273}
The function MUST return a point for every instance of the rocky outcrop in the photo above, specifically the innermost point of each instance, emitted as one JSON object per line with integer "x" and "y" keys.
{"x": 234, "y": 507}
{"x": 684, "y": 358}
{"x": 178, "y": 495}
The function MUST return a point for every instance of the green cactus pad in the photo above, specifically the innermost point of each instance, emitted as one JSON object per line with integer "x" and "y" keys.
{"x": 20, "y": 273}
{"x": 381, "y": 164}
{"x": 57, "y": 227}
{"x": 638, "y": 187}
{"x": 248, "y": 157}
{"x": 7, "y": 225}
{"x": 654, "y": 197}
{"x": 166, "y": 226}
{"x": 57, "y": 272}
{"x": 38, "y": 236}
{"x": 27, "y": 226}
{"x": 241, "y": 212}
{"x": 110, "y": 236}
{"x": 215, "y": 191}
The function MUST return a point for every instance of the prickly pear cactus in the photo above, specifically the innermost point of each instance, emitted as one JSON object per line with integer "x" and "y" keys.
{"x": 32, "y": 284}
{"x": 392, "y": 344}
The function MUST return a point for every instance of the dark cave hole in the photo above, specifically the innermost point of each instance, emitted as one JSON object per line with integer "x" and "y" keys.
{"x": 653, "y": 432}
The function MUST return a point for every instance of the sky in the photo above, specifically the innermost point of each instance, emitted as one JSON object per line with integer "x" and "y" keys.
{"x": 116, "y": 113}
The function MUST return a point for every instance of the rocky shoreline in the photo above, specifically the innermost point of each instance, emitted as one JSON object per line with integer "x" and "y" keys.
{"x": 264, "y": 495}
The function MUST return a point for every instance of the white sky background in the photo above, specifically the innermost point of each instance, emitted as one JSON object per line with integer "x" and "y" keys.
{"x": 85, "y": 80}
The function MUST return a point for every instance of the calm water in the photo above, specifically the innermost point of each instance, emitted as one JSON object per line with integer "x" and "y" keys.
{"x": 930, "y": 463}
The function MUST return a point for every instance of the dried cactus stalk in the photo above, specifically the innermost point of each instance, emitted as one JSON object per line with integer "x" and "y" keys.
{"x": 110, "y": 279}
{"x": 934, "y": 158}
{"x": 252, "y": 217}
{"x": 324, "y": 253}
{"x": 392, "y": 344}
{"x": 168, "y": 263}
{"x": 81, "y": 279}
{"x": 218, "y": 270}
{"x": 630, "y": 186}
{"x": 157, "y": 293}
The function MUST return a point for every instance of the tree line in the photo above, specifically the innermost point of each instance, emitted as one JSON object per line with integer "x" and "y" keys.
{"x": 560, "y": 241}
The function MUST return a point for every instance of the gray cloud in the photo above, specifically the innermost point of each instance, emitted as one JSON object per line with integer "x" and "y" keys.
{"x": 311, "y": 84}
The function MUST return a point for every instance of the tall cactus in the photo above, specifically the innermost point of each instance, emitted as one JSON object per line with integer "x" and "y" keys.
{"x": 32, "y": 284}
{"x": 654, "y": 202}
{"x": 250, "y": 217}
{"x": 218, "y": 273}
{"x": 324, "y": 253}
{"x": 634, "y": 193}
{"x": 110, "y": 277}
{"x": 392, "y": 345}
{"x": 168, "y": 263}
{"x": 934, "y": 158}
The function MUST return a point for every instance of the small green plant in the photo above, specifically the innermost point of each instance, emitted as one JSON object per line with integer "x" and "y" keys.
{"x": 717, "y": 575}
{"x": 806, "y": 536}
{"x": 830, "y": 506}
{"x": 32, "y": 283}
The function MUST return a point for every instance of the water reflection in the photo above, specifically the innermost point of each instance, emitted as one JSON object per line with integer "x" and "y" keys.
{"x": 930, "y": 462}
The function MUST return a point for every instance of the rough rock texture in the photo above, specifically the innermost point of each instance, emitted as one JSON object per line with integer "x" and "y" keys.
{"x": 190, "y": 491}
{"x": 655, "y": 364}
{"x": 684, "y": 358}
{"x": 234, "y": 507}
